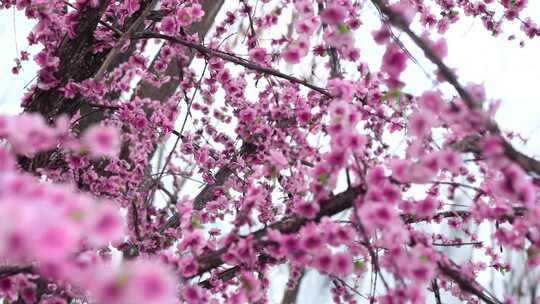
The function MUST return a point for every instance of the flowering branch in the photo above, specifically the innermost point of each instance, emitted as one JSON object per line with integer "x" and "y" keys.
{"x": 527, "y": 163}
{"x": 231, "y": 58}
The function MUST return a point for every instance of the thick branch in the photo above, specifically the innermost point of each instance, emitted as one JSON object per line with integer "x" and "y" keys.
{"x": 453, "y": 272}
{"x": 6, "y": 271}
{"x": 332, "y": 206}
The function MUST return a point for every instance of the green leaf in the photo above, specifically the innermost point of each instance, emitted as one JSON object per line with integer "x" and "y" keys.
{"x": 343, "y": 28}
{"x": 323, "y": 177}
{"x": 196, "y": 222}
{"x": 396, "y": 94}
{"x": 359, "y": 265}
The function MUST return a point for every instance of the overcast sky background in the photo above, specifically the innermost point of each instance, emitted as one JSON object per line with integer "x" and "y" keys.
{"x": 509, "y": 72}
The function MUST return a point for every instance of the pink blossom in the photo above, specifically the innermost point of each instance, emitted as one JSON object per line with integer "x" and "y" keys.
{"x": 258, "y": 55}
{"x": 400, "y": 169}
{"x": 341, "y": 89}
{"x": 107, "y": 225}
{"x": 382, "y": 35}
{"x": 477, "y": 91}
{"x": 193, "y": 240}
{"x": 251, "y": 285}
{"x": 151, "y": 283}
{"x": 377, "y": 215}
{"x": 307, "y": 209}
{"x": 334, "y": 14}
{"x": 8, "y": 289}
{"x": 46, "y": 60}
{"x": 292, "y": 55}
{"x": 193, "y": 294}
{"x": 7, "y": 161}
{"x": 406, "y": 10}
{"x": 376, "y": 176}
{"x": 248, "y": 115}
{"x": 304, "y": 7}
{"x": 53, "y": 300}
{"x": 394, "y": 61}
{"x": 420, "y": 124}
{"x": 432, "y": 102}
{"x": 277, "y": 159}
{"x": 342, "y": 264}
{"x": 184, "y": 16}
{"x": 102, "y": 141}
{"x": 29, "y": 133}
{"x": 323, "y": 261}
{"x": 426, "y": 208}
{"x": 54, "y": 241}
{"x": 311, "y": 240}
{"x": 168, "y": 25}
{"x": 188, "y": 267}
{"x": 306, "y": 26}
{"x": 450, "y": 160}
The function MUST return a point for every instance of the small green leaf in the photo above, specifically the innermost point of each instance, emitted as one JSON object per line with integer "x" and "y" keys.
{"x": 196, "y": 222}
{"x": 323, "y": 177}
{"x": 78, "y": 215}
{"x": 360, "y": 265}
{"x": 396, "y": 94}
{"x": 343, "y": 28}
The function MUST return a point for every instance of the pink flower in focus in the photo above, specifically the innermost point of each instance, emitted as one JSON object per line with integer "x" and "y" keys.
{"x": 8, "y": 288}
{"x": 342, "y": 264}
{"x": 323, "y": 261}
{"x": 184, "y": 17}
{"x": 168, "y": 25}
{"x": 258, "y": 55}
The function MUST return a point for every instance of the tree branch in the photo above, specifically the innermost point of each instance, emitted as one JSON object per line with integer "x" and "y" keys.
{"x": 233, "y": 59}
{"x": 527, "y": 163}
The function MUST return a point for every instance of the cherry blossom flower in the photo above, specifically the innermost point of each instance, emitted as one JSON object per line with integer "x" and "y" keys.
{"x": 102, "y": 141}
{"x": 334, "y": 14}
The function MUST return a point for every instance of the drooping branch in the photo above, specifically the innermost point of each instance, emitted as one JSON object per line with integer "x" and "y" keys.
{"x": 454, "y": 273}
{"x": 527, "y": 163}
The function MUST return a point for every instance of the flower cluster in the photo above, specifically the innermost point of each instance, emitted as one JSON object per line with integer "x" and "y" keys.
{"x": 106, "y": 197}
